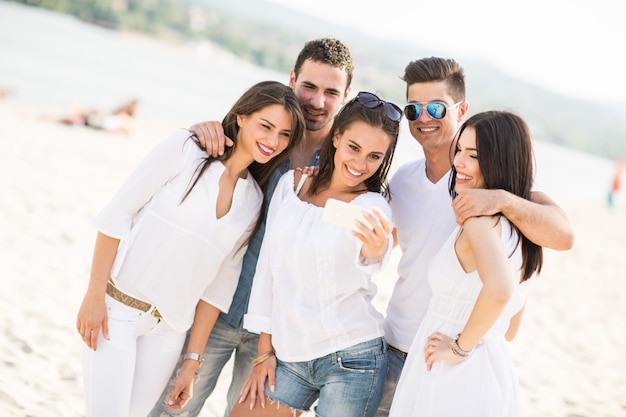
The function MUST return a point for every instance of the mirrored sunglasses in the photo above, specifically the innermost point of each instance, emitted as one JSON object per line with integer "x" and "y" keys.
{"x": 435, "y": 109}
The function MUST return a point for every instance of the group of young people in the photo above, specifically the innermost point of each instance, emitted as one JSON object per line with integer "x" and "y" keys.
{"x": 216, "y": 245}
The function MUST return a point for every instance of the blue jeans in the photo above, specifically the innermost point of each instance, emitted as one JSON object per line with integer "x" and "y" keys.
{"x": 219, "y": 348}
{"x": 395, "y": 364}
{"x": 347, "y": 383}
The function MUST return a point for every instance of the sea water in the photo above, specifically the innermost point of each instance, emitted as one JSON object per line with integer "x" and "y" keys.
{"x": 54, "y": 61}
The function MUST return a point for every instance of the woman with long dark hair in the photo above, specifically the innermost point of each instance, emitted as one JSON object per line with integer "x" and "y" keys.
{"x": 320, "y": 336}
{"x": 169, "y": 251}
{"x": 459, "y": 363}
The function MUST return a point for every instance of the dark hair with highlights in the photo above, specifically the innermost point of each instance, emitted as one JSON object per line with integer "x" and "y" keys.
{"x": 255, "y": 99}
{"x": 352, "y": 112}
{"x": 505, "y": 159}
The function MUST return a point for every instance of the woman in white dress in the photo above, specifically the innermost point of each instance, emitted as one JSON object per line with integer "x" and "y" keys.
{"x": 321, "y": 338}
{"x": 169, "y": 250}
{"x": 459, "y": 363}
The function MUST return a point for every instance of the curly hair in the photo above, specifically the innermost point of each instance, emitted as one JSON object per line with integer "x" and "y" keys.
{"x": 328, "y": 51}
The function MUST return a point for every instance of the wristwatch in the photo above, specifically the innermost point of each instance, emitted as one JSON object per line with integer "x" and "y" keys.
{"x": 194, "y": 357}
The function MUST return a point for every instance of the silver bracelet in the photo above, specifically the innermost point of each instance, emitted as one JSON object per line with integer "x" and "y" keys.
{"x": 456, "y": 349}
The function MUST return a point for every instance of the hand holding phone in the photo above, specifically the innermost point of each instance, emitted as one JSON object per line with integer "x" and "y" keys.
{"x": 343, "y": 214}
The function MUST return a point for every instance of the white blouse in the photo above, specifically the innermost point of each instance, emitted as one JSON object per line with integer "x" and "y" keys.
{"x": 173, "y": 254}
{"x": 309, "y": 290}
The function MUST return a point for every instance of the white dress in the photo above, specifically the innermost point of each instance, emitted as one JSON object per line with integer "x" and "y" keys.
{"x": 483, "y": 385}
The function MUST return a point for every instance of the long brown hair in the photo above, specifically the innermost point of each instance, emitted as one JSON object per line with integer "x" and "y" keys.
{"x": 352, "y": 112}
{"x": 505, "y": 159}
{"x": 255, "y": 99}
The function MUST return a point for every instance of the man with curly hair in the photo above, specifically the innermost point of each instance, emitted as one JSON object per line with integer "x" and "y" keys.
{"x": 321, "y": 79}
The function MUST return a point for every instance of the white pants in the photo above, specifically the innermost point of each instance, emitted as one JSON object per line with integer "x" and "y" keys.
{"x": 127, "y": 373}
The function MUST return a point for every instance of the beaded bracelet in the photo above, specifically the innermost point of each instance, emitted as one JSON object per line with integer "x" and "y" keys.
{"x": 456, "y": 349}
{"x": 262, "y": 358}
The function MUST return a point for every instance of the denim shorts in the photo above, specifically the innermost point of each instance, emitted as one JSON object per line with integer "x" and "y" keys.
{"x": 348, "y": 383}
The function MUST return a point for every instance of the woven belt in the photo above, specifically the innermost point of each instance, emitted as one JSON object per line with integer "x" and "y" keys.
{"x": 130, "y": 301}
{"x": 401, "y": 352}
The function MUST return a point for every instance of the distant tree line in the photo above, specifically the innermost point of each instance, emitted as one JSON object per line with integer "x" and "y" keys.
{"x": 185, "y": 20}
{"x": 274, "y": 44}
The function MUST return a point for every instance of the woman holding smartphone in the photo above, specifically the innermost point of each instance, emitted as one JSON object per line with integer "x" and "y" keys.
{"x": 320, "y": 336}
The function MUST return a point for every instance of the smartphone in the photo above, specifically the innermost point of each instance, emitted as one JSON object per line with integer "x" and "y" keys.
{"x": 342, "y": 214}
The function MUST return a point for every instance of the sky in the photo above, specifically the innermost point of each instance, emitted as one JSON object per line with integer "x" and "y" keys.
{"x": 571, "y": 47}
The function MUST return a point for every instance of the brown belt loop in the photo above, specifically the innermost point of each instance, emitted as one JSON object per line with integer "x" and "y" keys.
{"x": 132, "y": 302}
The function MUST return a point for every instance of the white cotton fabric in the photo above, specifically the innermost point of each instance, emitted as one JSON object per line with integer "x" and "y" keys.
{"x": 422, "y": 213}
{"x": 309, "y": 290}
{"x": 485, "y": 384}
{"x": 174, "y": 254}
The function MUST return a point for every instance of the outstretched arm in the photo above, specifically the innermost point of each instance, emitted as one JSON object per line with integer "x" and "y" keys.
{"x": 375, "y": 236}
{"x": 540, "y": 219}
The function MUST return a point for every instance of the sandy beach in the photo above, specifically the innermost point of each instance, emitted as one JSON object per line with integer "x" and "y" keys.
{"x": 54, "y": 178}
{"x": 569, "y": 353}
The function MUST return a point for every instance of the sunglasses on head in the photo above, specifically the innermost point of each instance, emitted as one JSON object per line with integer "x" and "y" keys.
{"x": 435, "y": 109}
{"x": 371, "y": 101}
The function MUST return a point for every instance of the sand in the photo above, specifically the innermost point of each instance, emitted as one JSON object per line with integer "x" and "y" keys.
{"x": 54, "y": 178}
{"x": 569, "y": 353}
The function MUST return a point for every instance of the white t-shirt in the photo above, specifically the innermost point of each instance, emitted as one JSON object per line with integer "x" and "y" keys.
{"x": 172, "y": 254}
{"x": 309, "y": 290}
{"x": 423, "y": 216}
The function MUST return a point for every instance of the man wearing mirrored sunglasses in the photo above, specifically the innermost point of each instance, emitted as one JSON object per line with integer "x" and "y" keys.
{"x": 321, "y": 79}
{"x": 423, "y": 214}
